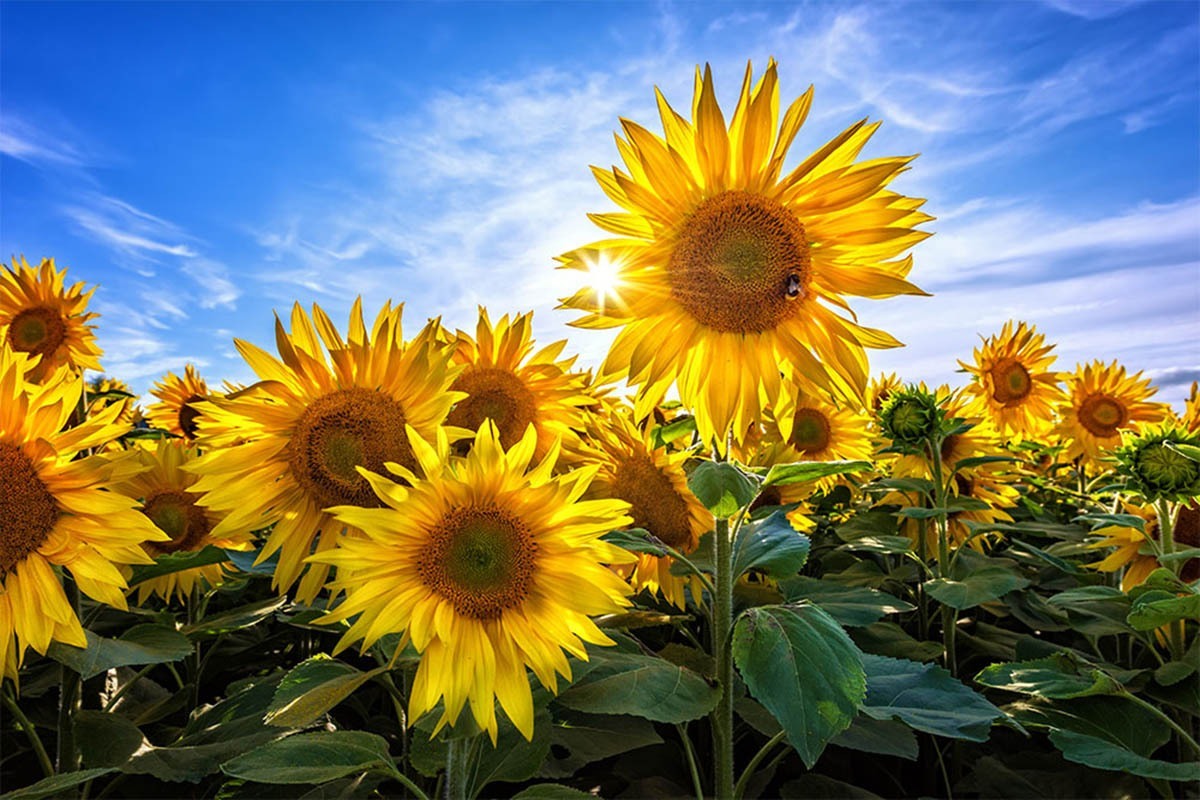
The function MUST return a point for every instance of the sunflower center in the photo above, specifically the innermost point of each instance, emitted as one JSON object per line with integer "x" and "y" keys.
{"x": 188, "y": 415}
{"x": 37, "y": 330}
{"x": 1102, "y": 415}
{"x": 740, "y": 264}
{"x": 346, "y": 429}
{"x": 27, "y": 509}
{"x": 1010, "y": 382}
{"x": 495, "y": 394}
{"x": 810, "y": 431}
{"x": 176, "y": 514}
{"x": 655, "y": 503}
{"x": 949, "y": 448}
{"x": 481, "y": 559}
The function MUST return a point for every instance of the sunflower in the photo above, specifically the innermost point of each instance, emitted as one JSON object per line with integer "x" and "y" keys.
{"x": 39, "y": 315}
{"x": 725, "y": 272}
{"x": 112, "y": 389}
{"x": 880, "y": 389}
{"x": 654, "y": 484}
{"x": 487, "y": 565}
{"x": 1191, "y": 409}
{"x": 507, "y": 382}
{"x": 287, "y": 447}
{"x": 802, "y": 426}
{"x": 1103, "y": 402}
{"x": 1013, "y": 384}
{"x": 54, "y": 510}
{"x": 163, "y": 491}
{"x": 1131, "y": 544}
{"x": 176, "y": 411}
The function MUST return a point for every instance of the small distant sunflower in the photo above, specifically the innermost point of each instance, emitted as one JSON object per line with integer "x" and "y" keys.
{"x": 1014, "y": 385}
{"x": 283, "y": 450}
{"x": 507, "y": 382}
{"x": 488, "y": 565}
{"x": 726, "y": 273}
{"x": 1132, "y": 552}
{"x": 163, "y": 491}
{"x": 805, "y": 427}
{"x": 40, "y": 316}
{"x": 176, "y": 412}
{"x": 54, "y": 510}
{"x": 1103, "y": 402}
{"x": 880, "y": 389}
{"x": 102, "y": 385}
{"x": 1191, "y": 409}
{"x": 653, "y": 482}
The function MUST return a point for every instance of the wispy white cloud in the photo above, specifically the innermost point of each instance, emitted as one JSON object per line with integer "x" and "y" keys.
{"x": 215, "y": 281}
{"x": 129, "y": 230}
{"x": 21, "y": 139}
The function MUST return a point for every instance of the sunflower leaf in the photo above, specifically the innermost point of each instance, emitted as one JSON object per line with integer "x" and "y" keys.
{"x": 722, "y": 487}
{"x": 142, "y": 644}
{"x": 771, "y": 545}
{"x": 805, "y": 471}
{"x": 178, "y": 562}
{"x": 644, "y": 686}
{"x": 312, "y": 758}
{"x": 311, "y": 688}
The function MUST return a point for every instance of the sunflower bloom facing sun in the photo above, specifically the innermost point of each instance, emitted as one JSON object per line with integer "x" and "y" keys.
{"x": 286, "y": 448}
{"x": 1014, "y": 386}
{"x": 802, "y": 426}
{"x": 176, "y": 410}
{"x": 726, "y": 272}
{"x": 163, "y": 491}
{"x": 654, "y": 484}
{"x": 55, "y": 511}
{"x": 41, "y": 316}
{"x": 488, "y": 564}
{"x": 1103, "y": 402}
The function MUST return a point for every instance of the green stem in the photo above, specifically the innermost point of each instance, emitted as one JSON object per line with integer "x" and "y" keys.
{"x": 194, "y": 615}
{"x": 456, "y": 768}
{"x": 693, "y": 767}
{"x": 38, "y": 748}
{"x": 941, "y": 523}
{"x": 1184, "y": 735}
{"x": 722, "y": 715}
{"x": 69, "y": 701}
{"x": 1166, "y": 533}
{"x": 748, "y": 773}
{"x": 404, "y": 779}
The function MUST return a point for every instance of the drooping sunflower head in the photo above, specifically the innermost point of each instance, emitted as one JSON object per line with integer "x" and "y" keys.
{"x": 56, "y": 509}
{"x": 163, "y": 491}
{"x": 177, "y": 412}
{"x": 1013, "y": 384}
{"x": 280, "y": 451}
{"x": 652, "y": 481}
{"x": 727, "y": 271}
{"x": 1104, "y": 401}
{"x": 1161, "y": 462}
{"x": 491, "y": 560}
{"x": 41, "y": 316}
{"x": 505, "y": 381}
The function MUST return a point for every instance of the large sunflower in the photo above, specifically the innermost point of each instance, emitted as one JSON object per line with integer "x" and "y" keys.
{"x": 1103, "y": 402}
{"x": 163, "y": 491}
{"x": 287, "y": 447}
{"x": 41, "y": 316}
{"x": 507, "y": 382}
{"x": 176, "y": 411}
{"x": 725, "y": 272}
{"x": 54, "y": 510}
{"x": 654, "y": 484}
{"x": 1014, "y": 386}
{"x": 802, "y": 426}
{"x": 487, "y": 565}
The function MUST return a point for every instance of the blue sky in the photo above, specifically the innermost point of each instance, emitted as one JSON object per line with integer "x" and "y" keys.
{"x": 208, "y": 163}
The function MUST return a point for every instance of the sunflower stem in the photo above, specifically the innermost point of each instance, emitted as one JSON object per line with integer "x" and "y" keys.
{"x": 941, "y": 524}
{"x": 722, "y": 715}
{"x": 748, "y": 773}
{"x": 456, "y": 768}
{"x": 1166, "y": 533}
{"x": 67, "y": 755}
{"x": 31, "y": 732}
{"x": 693, "y": 766}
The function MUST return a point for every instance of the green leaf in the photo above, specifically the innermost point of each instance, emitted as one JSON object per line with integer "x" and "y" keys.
{"x": 771, "y": 545}
{"x": 1173, "y": 672}
{"x": 312, "y": 758}
{"x": 980, "y": 586}
{"x": 799, "y": 663}
{"x": 552, "y": 791}
{"x": 644, "y": 686}
{"x": 979, "y": 461}
{"x": 1102, "y": 754}
{"x": 852, "y": 606}
{"x": 636, "y": 540}
{"x": 867, "y": 523}
{"x": 889, "y": 639}
{"x": 879, "y": 544}
{"x": 922, "y": 485}
{"x": 142, "y": 644}
{"x": 55, "y": 785}
{"x": 313, "y": 687}
{"x": 722, "y": 487}
{"x": 1059, "y": 677}
{"x": 235, "y": 620}
{"x": 926, "y": 697}
{"x": 1120, "y": 520}
{"x": 513, "y": 758}
{"x": 1115, "y": 719}
{"x": 1153, "y": 610}
{"x": 883, "y": 737}
{"x": 580, "y": 739}
{"x": 105, "y": 739}
{"x": 665, "y": 434}
{"x": 805, "y": 471}
{"x": 177, "y": 562}
{"x": 1180, "y": 555}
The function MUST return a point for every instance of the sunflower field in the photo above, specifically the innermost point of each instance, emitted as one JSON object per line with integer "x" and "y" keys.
{"x": 725, "y": 562}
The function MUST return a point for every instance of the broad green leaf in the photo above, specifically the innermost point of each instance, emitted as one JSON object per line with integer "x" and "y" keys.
{"x": 236, "y": 619}
{"x": 513, "y": 758}
{"x": 770, "y": 545}
{"x": 1120, "y": 520}
{"x": 636, "y": 540}
{"x": 1153, "y": 610}
{"x": 1173, "y": 672}
{"x": 799, "y": 663}
{"x": 1180, "y": 555}
{"x": 312, "y": 758}
{"x": 552, "y": 791}
{"x": 867, "y": 523}
{"x": 1115, "y": 719}
{"x": 1095, "y": 610}
{"x": 644, "y": 686}
{"x": 889, "y": 639}
{"x": 148, "y": 643}
{"x": 805, "y": 471}
{"x": 1059, "y": 677}
{"x": 313, "y": 687}
{"x": 922, "y": 485}
{"x": 665, "y": 434}
{"x": 884, "y": 737}
{"x": 177, "y": 562}
{"x": 879, "y": 544}
{"x": 979, "y": 461}
{"x": 926, "y": 697}
{"x": 722, "y": 487}
{"x": 106, "y": 740}
{"x": 852, "y": 606}
{"x": 976, "y": 587}
{"x": 1102, "y": 754}
{"x": 580, "y": 739}
{"x": 56, "y": 785}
